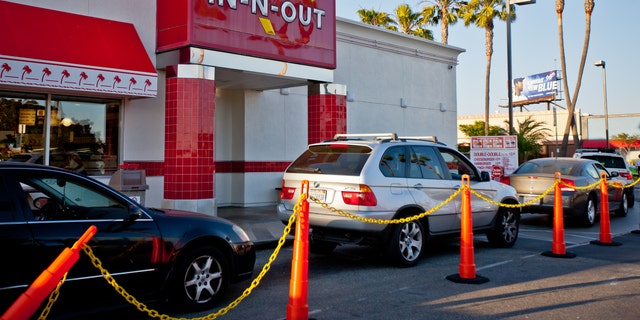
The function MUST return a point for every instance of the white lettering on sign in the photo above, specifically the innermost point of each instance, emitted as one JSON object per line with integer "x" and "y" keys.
{"x": 288, "y": 10}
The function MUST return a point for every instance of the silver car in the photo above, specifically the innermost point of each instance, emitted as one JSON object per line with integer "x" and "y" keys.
{"x": 383, "y": 176}
{"x": 534, "y": 177}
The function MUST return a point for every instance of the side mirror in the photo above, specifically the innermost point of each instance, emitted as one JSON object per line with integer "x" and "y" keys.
{"x": 614, "y": 174}
{"x": 485, "y": 176}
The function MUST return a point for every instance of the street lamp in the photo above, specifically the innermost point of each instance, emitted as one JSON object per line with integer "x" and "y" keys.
{"x": 509, "y": 74}
{"x": 601, "y": 63}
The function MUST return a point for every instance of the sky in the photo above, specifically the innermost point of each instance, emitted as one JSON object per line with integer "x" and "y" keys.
{"x": 535, "y": 49}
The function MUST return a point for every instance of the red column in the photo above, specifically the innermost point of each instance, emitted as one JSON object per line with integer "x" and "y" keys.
{"x": 189, "y": 165}
{"x": 327, "y": 107}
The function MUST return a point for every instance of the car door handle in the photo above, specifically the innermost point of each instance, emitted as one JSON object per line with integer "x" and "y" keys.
{"x": 417, "y": 185}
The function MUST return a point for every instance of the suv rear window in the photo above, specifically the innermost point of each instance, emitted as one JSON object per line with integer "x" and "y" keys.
{"x": 608, "y": 161}
{"x": 332, "y": 158}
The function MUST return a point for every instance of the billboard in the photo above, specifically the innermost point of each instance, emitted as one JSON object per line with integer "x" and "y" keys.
{"x": 529, "y": 89}
{"x": 296, "y": 31}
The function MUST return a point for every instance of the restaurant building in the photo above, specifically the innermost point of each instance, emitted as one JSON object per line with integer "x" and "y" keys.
{"x": 212, "y": 99}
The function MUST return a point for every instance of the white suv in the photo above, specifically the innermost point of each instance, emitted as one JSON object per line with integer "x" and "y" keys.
{"x": 613, "y": 162}
{"x": 383, "y": 176}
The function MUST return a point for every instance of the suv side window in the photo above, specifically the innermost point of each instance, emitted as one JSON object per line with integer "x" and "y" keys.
{"x": 393, "y": 162}
{"x": 457, "y": 165}
{"x": 425, "y": 163}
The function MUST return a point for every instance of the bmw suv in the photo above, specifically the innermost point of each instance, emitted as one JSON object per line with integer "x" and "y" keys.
{"x": 383, "y": 176}
{"x": 613, "y": 162}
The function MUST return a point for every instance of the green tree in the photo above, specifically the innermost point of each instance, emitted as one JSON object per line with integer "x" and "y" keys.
{"x": 443, "y": 12}
{"x": 410, "y": 22}
{"x": 375, "y": 18}
{"x": 571, "y": 102}
{"x": 481, "y": 13}
{"x": 477, "y": 129}
{"x": 531, "y": 134}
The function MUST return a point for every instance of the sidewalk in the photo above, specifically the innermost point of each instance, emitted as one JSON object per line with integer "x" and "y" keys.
{"x": 261, "y": 223}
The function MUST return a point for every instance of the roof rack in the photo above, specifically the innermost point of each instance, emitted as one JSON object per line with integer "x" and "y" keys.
{"x": 357, "y": 136}
{"x": 426, "y": 138}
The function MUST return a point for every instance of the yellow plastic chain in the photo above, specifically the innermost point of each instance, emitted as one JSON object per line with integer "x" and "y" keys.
{"x": 155, "y": 314}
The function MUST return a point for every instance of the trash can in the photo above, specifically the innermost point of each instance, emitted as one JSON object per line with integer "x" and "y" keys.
{"x": 132, "y": 183}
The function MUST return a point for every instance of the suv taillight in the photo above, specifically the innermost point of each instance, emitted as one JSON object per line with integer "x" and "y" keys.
{"x": 627, "y": 175}
{"x": 287, "y": 192}
{"x": 364, "y": 197}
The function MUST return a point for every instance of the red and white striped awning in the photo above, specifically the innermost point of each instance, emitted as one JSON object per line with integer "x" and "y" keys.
{"x": 53, "y": 49}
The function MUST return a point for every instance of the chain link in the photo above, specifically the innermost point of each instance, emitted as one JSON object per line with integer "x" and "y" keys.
{"x": 391, "y": 221}
{"x": 52, "y": 299}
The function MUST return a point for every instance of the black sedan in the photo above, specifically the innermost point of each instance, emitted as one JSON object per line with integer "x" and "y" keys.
{"x": 184, "y": 258}
{"x": 536, "y": 176}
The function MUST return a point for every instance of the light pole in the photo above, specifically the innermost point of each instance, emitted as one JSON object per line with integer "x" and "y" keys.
{"x": 602, "y": 63}
{"x": 509, "y": 73}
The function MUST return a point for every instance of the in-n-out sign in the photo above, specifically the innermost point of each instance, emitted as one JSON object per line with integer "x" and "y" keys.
{"x": 288, "y": 10}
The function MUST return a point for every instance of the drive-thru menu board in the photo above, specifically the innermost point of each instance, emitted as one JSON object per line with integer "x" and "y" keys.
{"x": 495, "y": 154}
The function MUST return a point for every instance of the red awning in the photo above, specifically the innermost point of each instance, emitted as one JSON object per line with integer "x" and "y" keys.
{"x": 54, "y": 49}
{"x": 602, "y": 144}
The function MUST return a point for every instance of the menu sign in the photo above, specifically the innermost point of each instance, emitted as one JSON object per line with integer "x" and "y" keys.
{"x": 27, "y": 116}
{"x": 495, "y": 154}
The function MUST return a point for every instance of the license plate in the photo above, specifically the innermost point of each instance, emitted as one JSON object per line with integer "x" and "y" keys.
{"x": 525, "y": 199}
{"x": 319, "y": 194}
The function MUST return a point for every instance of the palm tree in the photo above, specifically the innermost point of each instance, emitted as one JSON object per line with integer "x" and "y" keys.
{"x": 410, "y": 22}
{"x": 444, "y": 12}
{"x": 571, "y": 103}
{"x": 482, "y": 13}
{"x": 531, "y": 134}
{"x": 375, "y": 18}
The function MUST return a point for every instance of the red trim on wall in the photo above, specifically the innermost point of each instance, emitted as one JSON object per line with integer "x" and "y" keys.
{"x": 156, "y": 168}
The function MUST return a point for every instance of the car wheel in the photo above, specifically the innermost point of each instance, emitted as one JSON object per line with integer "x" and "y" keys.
{"x": 631, "y": 198}
{"x": 624, "y": 206}
{"x": 589, "y": 215}
{"x": 406, "y": 244}
{"x": 321, "y": 247}
{"x": 505, "y": 231}
{"x": 199, "y": 279}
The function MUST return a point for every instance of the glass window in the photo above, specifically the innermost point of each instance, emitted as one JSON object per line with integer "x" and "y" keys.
{"x": 457, "y": 164}
{"x": 83, "y": 136}
{"x": 393, "y": 162}
{"x": 332, "y": 159}
{"x": 57, "y": 198}
{"x": 425, "y": 164}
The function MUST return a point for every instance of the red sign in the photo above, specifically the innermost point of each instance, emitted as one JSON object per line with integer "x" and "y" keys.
{"x": 297, "y": 31}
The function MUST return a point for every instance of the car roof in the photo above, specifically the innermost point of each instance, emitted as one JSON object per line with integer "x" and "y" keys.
{"x": 371, "y": 139}
{"x": 592, "y": 152}
{"x": 561, "y": 159}
{"x": 27, "y": 165}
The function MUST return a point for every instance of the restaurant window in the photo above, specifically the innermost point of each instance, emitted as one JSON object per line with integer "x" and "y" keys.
{"x": 83, "y": 135}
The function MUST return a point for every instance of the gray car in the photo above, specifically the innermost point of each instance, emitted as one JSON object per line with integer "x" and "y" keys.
{"x": 534, "y": 177}
{"x": 383, "y": 176}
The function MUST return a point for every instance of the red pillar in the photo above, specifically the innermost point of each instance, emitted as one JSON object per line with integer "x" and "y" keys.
{"x": 189, "y": 167}
{"x": 327, "y": 116}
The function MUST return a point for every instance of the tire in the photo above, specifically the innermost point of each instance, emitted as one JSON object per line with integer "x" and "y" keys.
{"x": 506, "y": 228}
{"x": 624, "y": 206}
{"x": 406, "y": 244}
{"x": 631, "y": 197}
{"x": 321, "y": 247}
{"x": 588, "y": 218}
{"x": 200, "y": 278}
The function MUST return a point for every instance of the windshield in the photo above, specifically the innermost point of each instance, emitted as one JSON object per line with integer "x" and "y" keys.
{"x": 335, "y": 158}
